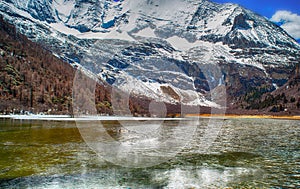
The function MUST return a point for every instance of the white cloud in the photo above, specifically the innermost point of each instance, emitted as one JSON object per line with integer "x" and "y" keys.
{"x": 291, "y": 22}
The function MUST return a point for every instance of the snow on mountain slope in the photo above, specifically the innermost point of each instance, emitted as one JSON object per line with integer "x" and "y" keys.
{"x": 63, "y": 9}
{"x": 189, "y": 47}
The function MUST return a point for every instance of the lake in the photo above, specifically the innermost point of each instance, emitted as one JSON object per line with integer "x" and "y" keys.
{"x": 240, "y": 153}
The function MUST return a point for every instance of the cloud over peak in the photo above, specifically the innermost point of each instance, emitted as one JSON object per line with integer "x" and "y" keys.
{"x": 290, "y": 22}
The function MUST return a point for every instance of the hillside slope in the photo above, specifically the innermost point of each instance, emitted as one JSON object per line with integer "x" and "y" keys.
{"x": 32, "y": 78}
{"x": 285, "y": 100}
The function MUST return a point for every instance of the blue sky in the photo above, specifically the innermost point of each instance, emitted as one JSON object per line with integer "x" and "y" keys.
{"x": 284, "y": 12}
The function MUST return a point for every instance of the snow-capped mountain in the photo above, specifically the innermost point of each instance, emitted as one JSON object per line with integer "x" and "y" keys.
{"x": 178, "y": 50}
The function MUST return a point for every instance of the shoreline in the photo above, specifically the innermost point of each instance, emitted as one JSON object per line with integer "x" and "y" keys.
{"x": 85, "y": 118}
{"x": 129, "y": 118}
{"x": 246, "y": 116}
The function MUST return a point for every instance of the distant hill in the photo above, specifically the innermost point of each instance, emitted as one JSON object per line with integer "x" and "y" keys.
{"x": 285, "y": 100}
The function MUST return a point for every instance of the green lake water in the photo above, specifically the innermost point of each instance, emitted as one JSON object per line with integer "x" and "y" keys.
{"x": 247, "y": 153}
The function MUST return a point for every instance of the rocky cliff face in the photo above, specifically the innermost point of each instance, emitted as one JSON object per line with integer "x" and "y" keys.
{"x": 143, "y": 47}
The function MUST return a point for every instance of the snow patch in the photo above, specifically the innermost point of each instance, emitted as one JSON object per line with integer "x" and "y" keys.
{"x": 147, "y": 32}
{"x": 60, "y": 27}
{"x": 182, "y": 44}
{"x": 63, "y": 8}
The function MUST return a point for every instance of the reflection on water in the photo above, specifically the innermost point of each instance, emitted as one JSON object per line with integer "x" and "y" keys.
{"x": 247, "y": 153}
{"x": 130, "y": 144}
